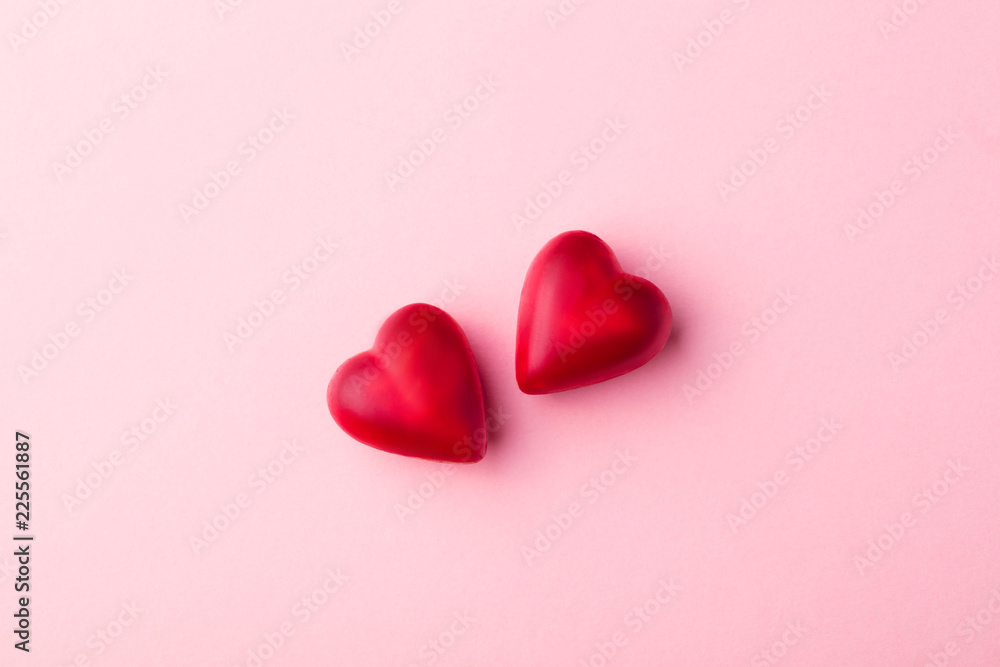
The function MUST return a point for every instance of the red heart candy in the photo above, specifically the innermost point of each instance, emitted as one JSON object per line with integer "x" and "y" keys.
{"x": 416, "y": 392}
{"x": 583, "y": 320}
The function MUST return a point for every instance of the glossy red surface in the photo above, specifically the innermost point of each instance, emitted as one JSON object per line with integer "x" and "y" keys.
{"x": 583, "y": 320}
{"x": 416, "y": 392}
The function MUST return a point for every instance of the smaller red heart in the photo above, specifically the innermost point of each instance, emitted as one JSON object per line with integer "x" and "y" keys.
{"x": 583, "y": 320}
{"x": 416, "y": 392}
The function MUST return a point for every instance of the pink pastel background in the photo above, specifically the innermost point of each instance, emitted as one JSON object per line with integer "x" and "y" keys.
{"x": 461, "y": 576}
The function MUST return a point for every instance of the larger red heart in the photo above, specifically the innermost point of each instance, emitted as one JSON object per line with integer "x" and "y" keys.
{"x": 416, "y": 392}
{"x": 583, "y": 320}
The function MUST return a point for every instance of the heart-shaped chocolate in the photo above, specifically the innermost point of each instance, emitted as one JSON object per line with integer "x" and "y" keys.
{"x": 583, "y": 320}
{"x": 416, "y": 392}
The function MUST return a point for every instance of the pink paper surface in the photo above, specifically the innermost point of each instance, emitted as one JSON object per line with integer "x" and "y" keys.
{"x": 208, "y": 206}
